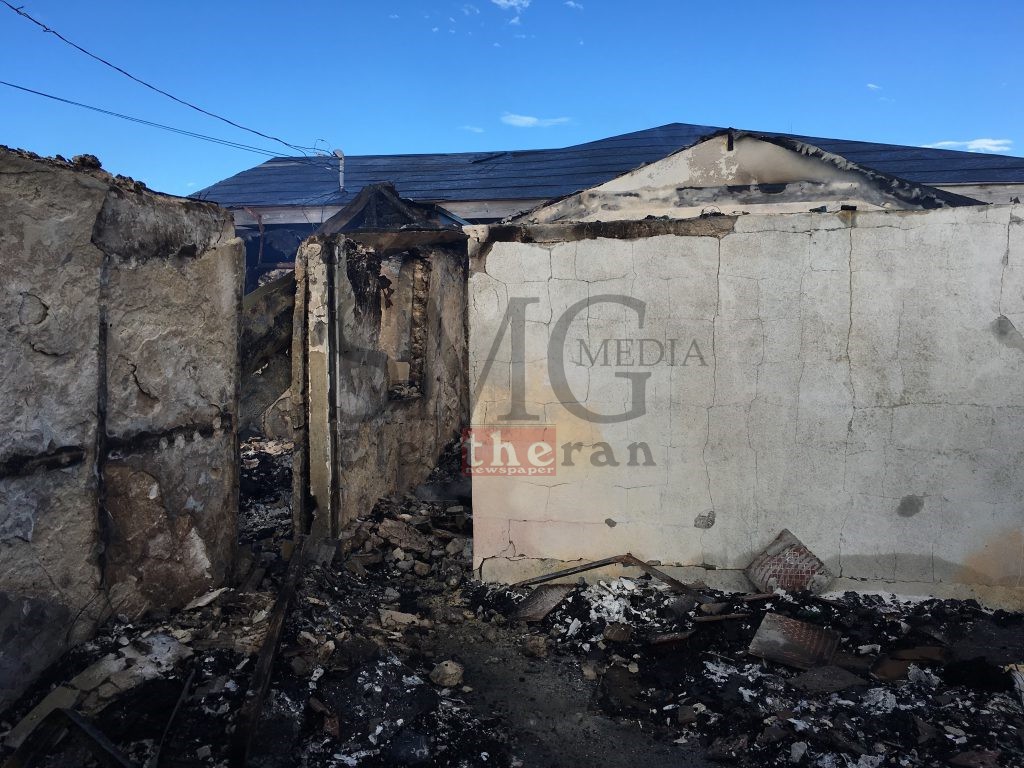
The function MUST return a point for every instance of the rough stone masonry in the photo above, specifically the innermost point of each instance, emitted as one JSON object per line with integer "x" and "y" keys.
{"x": 119, "y": 377}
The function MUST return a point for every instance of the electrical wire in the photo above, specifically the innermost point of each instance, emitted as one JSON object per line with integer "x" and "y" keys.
{"x": 21, "y": 12}
{"x": 140, "y": 120}
{"x": 192, "y": 134}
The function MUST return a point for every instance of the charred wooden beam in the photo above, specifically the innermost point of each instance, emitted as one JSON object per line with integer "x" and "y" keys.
{"x": 252, "y": 708}
{"x": 266, "y": 323}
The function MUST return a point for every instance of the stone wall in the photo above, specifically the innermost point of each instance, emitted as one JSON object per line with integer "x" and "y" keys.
{"x": 857, "y": 378}
{"x": 381, "y": 373}
{"x": 119, "y": 371}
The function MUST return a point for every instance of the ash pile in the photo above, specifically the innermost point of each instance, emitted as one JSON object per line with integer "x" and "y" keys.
{"x": 787, "y": 678}
{"x": 322, "y": 653}
{"x": 357, "y": 680}
{"x": 379, "y": 649}
{"x": 265, "y": 494}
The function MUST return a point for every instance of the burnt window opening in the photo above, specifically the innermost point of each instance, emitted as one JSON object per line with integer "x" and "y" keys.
{"x": 404, "y": 282}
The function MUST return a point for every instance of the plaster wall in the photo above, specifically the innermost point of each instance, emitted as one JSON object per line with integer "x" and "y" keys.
{"x": 119, "y": 377}
{"x": 738, "y": 175}
{"x": 857, "y": 378}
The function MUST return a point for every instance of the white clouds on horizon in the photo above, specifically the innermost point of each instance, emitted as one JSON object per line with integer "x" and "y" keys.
{"x": 574, "y": 4}
{"x": 471, "y": 128}
{"x": 975, "y": 145}
{"x": 512, "y": 5}
{"x": 873, "y": 87}
{"x": 529, "y": 121}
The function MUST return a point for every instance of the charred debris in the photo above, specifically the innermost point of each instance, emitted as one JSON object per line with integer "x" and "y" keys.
{"x": 380, "y": 649}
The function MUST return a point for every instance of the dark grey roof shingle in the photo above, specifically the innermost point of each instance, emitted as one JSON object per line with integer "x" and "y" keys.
{"x": 547, "y": 173}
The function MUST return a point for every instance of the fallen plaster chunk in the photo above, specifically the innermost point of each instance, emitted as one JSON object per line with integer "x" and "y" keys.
{"x": 787, "y": 564}
{"x": 404, "y": 536}
{"x": 203, "y": 600}
{"x": 104, "y": 680}
{"x": 62, "y": 697}
{"x": 447, "y": 674}
{"x": 398, "y": 620}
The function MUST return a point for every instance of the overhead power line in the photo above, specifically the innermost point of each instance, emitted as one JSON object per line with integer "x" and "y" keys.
{"x": 172, "y": 129}
{"x": 21, "y": 12}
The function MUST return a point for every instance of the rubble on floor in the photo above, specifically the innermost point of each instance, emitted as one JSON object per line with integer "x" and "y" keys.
{"x": 390, "y": 654}
{"x": 265, "y": 498}
{"x": 353, "y": 681}
{"x": 846, "y": 680}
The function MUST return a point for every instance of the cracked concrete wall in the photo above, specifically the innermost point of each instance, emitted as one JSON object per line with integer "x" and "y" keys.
{"x": 857, "y": 378}
{"x": 119, "y": 368}
{"x": 368, "y": 436}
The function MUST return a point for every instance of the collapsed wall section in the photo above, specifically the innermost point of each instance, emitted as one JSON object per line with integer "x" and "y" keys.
{"x": 118, "y": 476}
{"x": 857, "y": 378}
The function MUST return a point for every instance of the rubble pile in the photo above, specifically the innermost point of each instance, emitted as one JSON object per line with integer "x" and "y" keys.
{"x": 382, "y": 650}
{"x": 356, "y": 681}
{"x": 847, "y": 680}
{"x": 265, "y": 493}
{"x": 130, "y": 678}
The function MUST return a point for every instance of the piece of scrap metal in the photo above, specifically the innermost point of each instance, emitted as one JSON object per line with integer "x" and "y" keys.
{"x": 625, "y": 560}
{"x": 678, "y": 586}
{"x": 542, "y": 601}
{"x": 570, "y": 571}
{"x": 794, "y": 643}
{"x": 787, "y": 564}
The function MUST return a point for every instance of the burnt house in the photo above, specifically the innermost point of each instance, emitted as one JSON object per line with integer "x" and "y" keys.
{"x": 280, "y": 202}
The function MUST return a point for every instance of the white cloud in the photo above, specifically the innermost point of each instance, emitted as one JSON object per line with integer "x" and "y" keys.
{"x": 514, "y": 20}
{"x": 873, "y": 87}
{"x": 512, "y": 5}
{"x": 975, "y": 145}
{"x": 434, "y": 29}
{"x": 528, "y": 121}
{"x": 470, "y": 10}
{"x": 393, "y": 16}
{"x": 471, "y": 128}
{"x": 574, "y": 4}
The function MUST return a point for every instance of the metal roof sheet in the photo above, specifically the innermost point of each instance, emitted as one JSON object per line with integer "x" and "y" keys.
{"x": 548, "y": 173}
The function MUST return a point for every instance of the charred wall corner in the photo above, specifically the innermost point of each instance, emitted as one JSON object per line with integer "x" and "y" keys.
{"x": 379, "y": 360}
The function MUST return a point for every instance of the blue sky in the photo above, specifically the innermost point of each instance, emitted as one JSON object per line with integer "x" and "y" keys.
{"x": 425, "y": 76}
